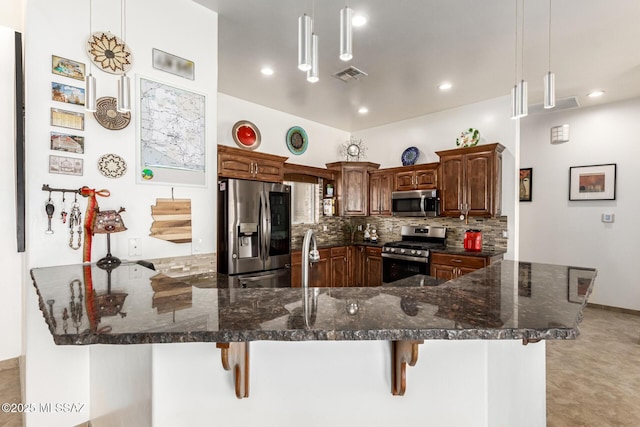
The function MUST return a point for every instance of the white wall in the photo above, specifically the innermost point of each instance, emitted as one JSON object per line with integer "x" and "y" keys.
{"x": 11, "y": 261}
{"x": 438, "y": 131}
{"x": 555, "y": 230}
{"x": 181, "y": 27}
{"x": 12, "y": 14}
{"x": 273, "y": 126}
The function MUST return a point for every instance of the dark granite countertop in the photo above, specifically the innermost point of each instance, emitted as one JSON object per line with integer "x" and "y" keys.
{"x": 83, "y": 304}
{"x": 485, "y": 253}
{"x": 298, "y": 247}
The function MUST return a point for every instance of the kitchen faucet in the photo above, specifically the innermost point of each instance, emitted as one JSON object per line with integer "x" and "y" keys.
{"x": 309, "y": 254}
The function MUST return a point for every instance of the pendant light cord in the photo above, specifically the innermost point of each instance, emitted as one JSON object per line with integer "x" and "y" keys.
{"x": 549, "y": 35}
{"x": 123, "y": 20}
{"x": 516, "y": 47}
{"x": 90, "y": 31}
{"x": 522, "y": 48}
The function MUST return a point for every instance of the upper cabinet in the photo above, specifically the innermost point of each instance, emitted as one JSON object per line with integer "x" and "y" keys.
{"x": 353, "y": 186}
{"x": 238, "y": 163}
{"x": 471, "y": 179}
{"x": 380, "y": 188}
{"x": 417, "y": 177}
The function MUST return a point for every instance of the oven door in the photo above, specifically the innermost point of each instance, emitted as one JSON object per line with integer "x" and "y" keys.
{"x": 396, "y": 267}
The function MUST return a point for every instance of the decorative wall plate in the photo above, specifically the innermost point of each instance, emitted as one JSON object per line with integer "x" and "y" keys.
{"x": 107, "y": 115}
{"x": 112, "y": 166}
{"x": 109, "y": 53}
{"x": 410, "y": 156}
{"x": 468, "y": 138}
{"x": 246, "y": 134}
{"x": 297, "y": 140}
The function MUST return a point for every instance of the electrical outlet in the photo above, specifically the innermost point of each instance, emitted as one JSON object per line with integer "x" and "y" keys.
{"x": 134, "y": 247}
{"x": 196, "y": 246}
{"x": 505, "y": 234}
{"x": 608, "y": 217}
{"x": 325, "y": 228}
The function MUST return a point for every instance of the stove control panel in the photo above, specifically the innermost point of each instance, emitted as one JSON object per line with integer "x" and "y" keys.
{"x": 410, "y": 252}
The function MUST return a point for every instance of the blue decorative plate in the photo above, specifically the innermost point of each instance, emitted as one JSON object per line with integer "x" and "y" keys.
{"x": 297, "y": 140}
{"x": 410, "y": 156}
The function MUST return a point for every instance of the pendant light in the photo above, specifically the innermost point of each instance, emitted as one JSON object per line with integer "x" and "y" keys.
{"x": 312, "y": 74}
{"x": 549, "y": 78}
{"x": 519, "y": 98}
{"x": 305, "y": 27}
{"x": 346, "y": 40}
{"x": 123, "y": 104}
{"x": 515, "y": 102}
{"x": 90, "y": 102}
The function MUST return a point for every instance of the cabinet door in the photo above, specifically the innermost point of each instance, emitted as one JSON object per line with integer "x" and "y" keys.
{"x": 426, "y": 179}
{"x": 320, "y": 272}
{"x": 478, "y": 181}
{"x": 339, "y": 267}
{"x": 359, "y": 264}
{"x": 380, "y": 188}
{"x": 351, "y": 265}
{"x": 444, "y": 272}
{"x": 373, "y": 267}
{"x": 404, "y": 181}
{"x": 268, "y": 170}
{"x": 296, "y": 269}
{"x": 355, "y": 183}
{"x": 233, "y": 166}
{"x": 451, "y": 185}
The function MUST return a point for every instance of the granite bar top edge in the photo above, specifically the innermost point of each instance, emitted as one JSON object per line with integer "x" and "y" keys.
{"x": 319, "y": 335}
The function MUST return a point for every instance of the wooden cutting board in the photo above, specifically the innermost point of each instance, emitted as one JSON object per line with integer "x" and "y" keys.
{"x": 171, "y": 220}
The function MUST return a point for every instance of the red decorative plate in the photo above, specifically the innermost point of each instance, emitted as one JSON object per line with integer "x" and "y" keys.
{"x": 246, "y": 135}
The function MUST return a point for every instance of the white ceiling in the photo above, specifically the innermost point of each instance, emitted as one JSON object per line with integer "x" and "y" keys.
{"x": 409, "y": 46}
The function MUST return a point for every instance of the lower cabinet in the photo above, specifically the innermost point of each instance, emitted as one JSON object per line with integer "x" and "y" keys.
{"x": 341, "y": 266}
{"x": 450, "y": 266}
{"x": 319, "y": 272}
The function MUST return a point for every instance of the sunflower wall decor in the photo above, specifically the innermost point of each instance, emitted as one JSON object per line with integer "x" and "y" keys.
{"x": 109, "y": 53}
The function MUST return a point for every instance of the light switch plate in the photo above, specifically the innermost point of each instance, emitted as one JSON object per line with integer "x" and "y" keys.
{"x": 608, "y": 217}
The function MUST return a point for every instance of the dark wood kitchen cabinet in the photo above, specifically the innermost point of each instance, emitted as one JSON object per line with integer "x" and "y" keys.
{"x": 243, "y": 164}
{"x": 471, "y": 177}
{"x": 368, "y": 266}
{"x": 451, "y": 266}
{"x": 417, "y": 177}
{"x": 353, "y": 186}
{"x": 319, "y": 272}
{"x": 380, "y": 188}
{"x": 339, "y": 267}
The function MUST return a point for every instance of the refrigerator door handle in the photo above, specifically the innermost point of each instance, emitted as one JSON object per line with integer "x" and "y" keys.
{"x": 267, "y": 216}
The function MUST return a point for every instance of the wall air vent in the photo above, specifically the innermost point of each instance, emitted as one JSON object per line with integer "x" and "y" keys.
{"x": 349, "y": 74}
{"x": 561, "y": 104}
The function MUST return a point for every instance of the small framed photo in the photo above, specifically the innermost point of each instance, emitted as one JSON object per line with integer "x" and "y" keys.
{"x": 526, "y": 182}
{"x": 579, "y": 282}
{"x": 66, "y": 93}
{"x": 173, "y": 64}
{"x": 67, "y": 119}
{"x": 66, "y": 142}
{"x": 65, "y": 165}
{"x": 67, "y": 68}
{"x": 595, "y": 182}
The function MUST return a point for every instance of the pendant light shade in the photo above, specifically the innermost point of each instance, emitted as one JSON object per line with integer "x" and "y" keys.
{"x": 90, "y": 103}
{"x": 346, "y": 40}
{"x": 124, "y": 94}
{"x": 523, "y": 108}
{"x": 549, "y": 90}
{"x": 312, "y": 74}
{"x": 514, "y": 102}
{"x": 304, "y": 42}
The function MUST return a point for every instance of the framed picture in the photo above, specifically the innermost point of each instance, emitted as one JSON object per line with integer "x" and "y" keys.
{"x": 65, "y": 165}
{"x": 596, "y": 182}
{"x": 66, "y": 142}
{"x": 173, "y": 64}
{"x": 67, "y": 119}
{"x": 526, "y": 182}
{"x": 67, "y": 68}
{"x": 579, "y": 282}
{"x": 66, "y": 93}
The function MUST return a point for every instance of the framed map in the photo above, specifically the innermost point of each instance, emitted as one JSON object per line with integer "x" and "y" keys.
{"x": 171, "y": 133}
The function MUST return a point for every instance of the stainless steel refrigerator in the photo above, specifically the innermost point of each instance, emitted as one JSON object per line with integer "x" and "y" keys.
{"x": 254, "y": 233}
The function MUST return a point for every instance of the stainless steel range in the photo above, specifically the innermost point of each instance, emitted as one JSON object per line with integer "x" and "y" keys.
{"x": 410, "y": 256}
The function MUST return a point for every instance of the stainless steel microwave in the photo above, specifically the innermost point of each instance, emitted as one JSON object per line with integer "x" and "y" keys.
{"x": 415, "y": 203}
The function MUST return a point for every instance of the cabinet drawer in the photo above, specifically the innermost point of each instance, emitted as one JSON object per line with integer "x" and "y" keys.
{"x": 473, "y": 262}
{"x": 339, "y": 251}
{"x": 373, "y": 251}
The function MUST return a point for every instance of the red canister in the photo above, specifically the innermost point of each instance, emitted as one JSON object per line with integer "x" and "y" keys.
{"x": 473, "y": 240}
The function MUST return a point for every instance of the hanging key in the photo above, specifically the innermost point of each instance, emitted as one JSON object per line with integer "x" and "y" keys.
{"x": 49, "y": 208}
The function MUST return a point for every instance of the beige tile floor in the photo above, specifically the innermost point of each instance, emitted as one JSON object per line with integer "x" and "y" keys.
{"x": 592, "y": 381}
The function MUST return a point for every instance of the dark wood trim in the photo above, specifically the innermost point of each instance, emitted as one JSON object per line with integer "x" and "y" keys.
{"x": 19, "y": 145}
{"x": 497, "y": 147}
{"x": 295, "y": 169}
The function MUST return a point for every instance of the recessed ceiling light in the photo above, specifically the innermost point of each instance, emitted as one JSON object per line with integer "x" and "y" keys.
{"x": 445, "y": 86}
{"x": 363, "y": 110}
{"x": 595, "y": 93}
{"x": 358, "y": 20}
{"x": 267, "y": 71}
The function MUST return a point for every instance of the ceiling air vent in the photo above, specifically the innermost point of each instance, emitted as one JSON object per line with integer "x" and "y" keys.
{"x": 561, "y": 104}
{"x": 349, "y": 74}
